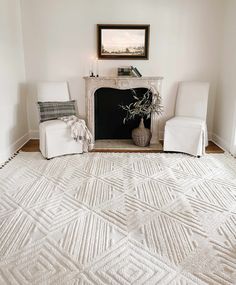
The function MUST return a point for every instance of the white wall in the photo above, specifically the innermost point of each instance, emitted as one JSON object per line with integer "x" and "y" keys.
{"x": 13, "y": 118}
{"x": 225, "y": 111}
{"x": 60, "y": 38}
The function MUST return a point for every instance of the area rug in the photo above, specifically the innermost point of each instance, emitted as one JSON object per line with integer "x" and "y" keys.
{"x": 107, "y": 218}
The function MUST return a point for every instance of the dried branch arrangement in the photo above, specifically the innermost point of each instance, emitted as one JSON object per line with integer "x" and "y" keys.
{"x": 143, "y": 107}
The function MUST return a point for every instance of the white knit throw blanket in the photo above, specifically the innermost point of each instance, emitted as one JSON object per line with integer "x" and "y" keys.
{"x": 79, "y": 130}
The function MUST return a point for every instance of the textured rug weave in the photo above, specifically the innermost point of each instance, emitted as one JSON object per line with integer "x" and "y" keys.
{"x": 103, "y": 218}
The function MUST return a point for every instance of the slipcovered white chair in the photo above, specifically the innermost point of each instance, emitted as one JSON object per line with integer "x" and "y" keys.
{"x": 187, "y": 131}
{"x": 55, "y": 137}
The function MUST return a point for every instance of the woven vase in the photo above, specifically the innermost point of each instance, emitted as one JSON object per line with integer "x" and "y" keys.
{"x": 141, "y": 136}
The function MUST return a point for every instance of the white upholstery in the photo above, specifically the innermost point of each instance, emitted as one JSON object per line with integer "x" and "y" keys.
{"x": 187, "y": 131}
{"x": 55, "y": 138}
{"x": 192, "y": 100}
{"x": 53, "y": 91}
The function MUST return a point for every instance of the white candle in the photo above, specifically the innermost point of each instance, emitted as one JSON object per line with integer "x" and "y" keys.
{"x": 97, "y": 67}
{"x": 92, "y": 67}
{"x": 91, "y": 71}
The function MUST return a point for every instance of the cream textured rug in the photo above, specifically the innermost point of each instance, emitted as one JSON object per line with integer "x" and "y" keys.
{"x": 118, "y": 219}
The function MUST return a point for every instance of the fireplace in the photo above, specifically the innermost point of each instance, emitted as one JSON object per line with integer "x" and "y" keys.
{"x": 100, "y": 88}
{"x": 109, "y": 115}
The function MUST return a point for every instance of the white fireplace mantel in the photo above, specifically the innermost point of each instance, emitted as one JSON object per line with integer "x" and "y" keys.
{"x": 93, "y": 83}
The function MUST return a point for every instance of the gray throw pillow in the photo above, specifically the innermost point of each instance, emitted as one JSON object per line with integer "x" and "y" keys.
{"x": 53, "y": 110}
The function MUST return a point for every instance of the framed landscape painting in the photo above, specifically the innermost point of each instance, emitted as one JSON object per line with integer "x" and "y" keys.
{"x": 123, "y": 41}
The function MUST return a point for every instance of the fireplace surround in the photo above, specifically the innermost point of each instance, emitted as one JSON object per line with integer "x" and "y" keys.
{"x": 92, "y": 84}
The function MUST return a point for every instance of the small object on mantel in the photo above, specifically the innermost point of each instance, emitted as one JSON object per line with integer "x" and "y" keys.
{"x": 94, "y": 68}
{"x": 129, "y": 71}
{"x": 124, "y": 71}
{"x": 135, "y": 71}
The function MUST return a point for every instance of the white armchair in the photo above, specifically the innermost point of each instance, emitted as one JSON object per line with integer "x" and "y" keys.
{"x": 55, "y": 137}
{"x": 187, "y": 131}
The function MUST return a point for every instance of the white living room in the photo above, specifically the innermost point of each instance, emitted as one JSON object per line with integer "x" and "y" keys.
{"x": 118, "y": 142}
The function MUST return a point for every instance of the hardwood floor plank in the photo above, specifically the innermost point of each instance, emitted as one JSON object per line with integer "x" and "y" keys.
{"x": 33, "y": 146}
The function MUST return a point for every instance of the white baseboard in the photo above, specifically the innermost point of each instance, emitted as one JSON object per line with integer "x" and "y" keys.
{"x": 34, "y": 134}
{"x": 220, "y": 142}
{"x": 210, "y": 136}
{"x": 13, "y": 148}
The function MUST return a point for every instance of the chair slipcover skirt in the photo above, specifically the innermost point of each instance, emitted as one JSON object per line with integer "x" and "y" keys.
{"x": 55, "y": 139}
{"x": 184, "y": 134}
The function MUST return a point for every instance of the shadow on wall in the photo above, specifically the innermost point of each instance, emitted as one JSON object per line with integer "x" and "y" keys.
{"x": 233, "y": 143}
{"x": 32, "y": 110}
{"x": 18, "y": 134}
{"x": 77, "y": 92}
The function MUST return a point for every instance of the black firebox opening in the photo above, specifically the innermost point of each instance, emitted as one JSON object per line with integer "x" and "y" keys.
{"x": 109, "y": 115}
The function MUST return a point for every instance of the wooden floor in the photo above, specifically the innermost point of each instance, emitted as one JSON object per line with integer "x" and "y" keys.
{"x": 33, "y": 146}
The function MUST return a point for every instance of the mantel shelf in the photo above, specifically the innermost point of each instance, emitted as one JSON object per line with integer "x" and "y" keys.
{"x": 123, "y": 78}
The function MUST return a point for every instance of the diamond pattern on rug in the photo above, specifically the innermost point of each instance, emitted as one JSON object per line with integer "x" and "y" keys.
{"x": 57, "y": 212}
{"x": 7, "y": 206}
{"x": 126, "y": 212}
{"x": 81, "y": 279}
{"x": 203, "y": 167}
{"x": 123, "y": 179}
{"x": 189, "y": 280}
{"x": 215, "y": 194}
{"x": 35, "y": 193}
{"x": 40, "y": 264}
{"x": 99, "y": 166}
{"x": 181, "y": 211}
{"x": 169, "y": 238}
{"x": 146, "y": 167}
{"x": 20, "y": 230}
{"x": 94, "y": 192}
{"x": 226, "y": 232}
{"x": 130, "y": 264}
{"x": 178, "y": 180}
{"x": 213, "y": 264}
{"x": 79, "y": 235}
{"x": 118, "y": 218}
{"x": 156, "y": 193}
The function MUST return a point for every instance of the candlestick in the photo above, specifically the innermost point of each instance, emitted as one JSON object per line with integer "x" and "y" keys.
{"x": 97, "y": 67}
{"x": 91, "y": 71}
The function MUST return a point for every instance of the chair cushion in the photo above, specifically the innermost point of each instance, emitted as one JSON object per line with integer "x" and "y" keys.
{"x": 187, "y": 122}
{"x": 54, "y": 110}
{"x": 52, "y": 125}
